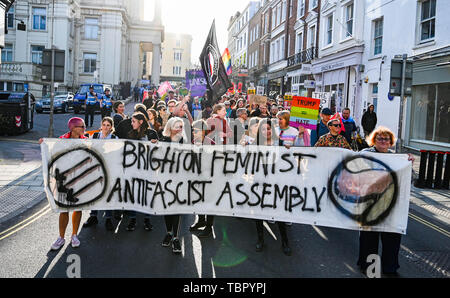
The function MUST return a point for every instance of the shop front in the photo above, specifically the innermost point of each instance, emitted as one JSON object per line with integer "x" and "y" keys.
{"x": 340, "y": 75}
{"x": 428, "y": 113}
{"x": 276, "y": 83}
{"x": 297, "y": 80}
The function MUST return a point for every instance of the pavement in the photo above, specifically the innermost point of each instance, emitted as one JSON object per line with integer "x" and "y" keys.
{"x": 21, "y": 179}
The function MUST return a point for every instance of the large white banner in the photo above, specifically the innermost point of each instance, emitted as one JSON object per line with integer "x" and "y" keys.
{"x": 316, "y": 186}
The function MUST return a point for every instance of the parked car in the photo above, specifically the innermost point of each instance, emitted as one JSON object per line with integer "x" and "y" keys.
{"x": 79, "y": 100}
{"x": 63, "y": 101}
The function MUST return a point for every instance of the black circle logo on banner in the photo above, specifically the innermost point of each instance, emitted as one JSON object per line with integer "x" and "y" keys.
{"x": 77, "y": 177}
{"x": 211, "y": 64}
{"x": 364, "y": 189}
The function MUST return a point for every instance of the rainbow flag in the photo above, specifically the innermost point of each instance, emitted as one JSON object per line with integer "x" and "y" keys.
{"x": 226, "y": 57}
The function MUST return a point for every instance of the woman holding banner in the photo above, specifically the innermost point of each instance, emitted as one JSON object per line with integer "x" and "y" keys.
{"x": 173, "y": 133}
{"x": 220, "y": 130}
{"x": 141, "y": 132}
{"x": 250, "y": 136}
{"x": 199, "y": 129}
{"x": 77, "y": 129}
{"x": 106, "y": 133}
{"x": 380, "y": 140}
{"x": 267, "y": 137}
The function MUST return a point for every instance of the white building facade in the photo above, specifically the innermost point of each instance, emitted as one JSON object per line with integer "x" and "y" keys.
{"x": 422, "y": 32}
{"x": 341, "y": 48}
{"x": 104, "y": 42}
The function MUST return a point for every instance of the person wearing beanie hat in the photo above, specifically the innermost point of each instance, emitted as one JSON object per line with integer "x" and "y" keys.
{"x": 76, "y": 131}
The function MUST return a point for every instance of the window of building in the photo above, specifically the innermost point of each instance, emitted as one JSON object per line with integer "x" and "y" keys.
{"x": 36, "y": 54}
{"x": 378, "y": 37}
{"x": 178, "y": 43}
{"x": 10, "y": 17}
{"x": 177, "y": 56}
{"x": 374, "y": 96}
{"x": 349, "y": 20}
{"x": 91, "y": 28}
{"x": 90, "y": 62}
{"x": 329, "y": 33}
{"x": 274, "y": 18}
{"x": 266, "y": 22}
{"x": 300, "y": 8}
{"x": 177, "y": 70}
{"x": 282, "y": 47}
{"x": 7, "y": 53}
{"x": 313, "y": 4}
{"x": 39, "y": 18}
{"x": 312, "y": 37}
{"x": 278, "y": 15}
{"x": 299, "y": 47}
{"x": 427, "y": 19}
{"x": 283, "y": 11}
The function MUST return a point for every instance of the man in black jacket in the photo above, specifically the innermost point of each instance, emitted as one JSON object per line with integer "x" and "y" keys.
{"x": 369, "y": 121}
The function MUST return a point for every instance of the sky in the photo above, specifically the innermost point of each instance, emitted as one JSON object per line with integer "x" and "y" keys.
{"x": 195, "y": 17}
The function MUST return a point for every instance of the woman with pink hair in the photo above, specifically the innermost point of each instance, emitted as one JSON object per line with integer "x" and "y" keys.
{"x": 77, "y": 129}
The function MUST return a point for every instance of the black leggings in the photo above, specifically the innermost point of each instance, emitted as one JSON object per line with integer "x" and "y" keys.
{"x": 209, "y": 219}
{"x": 173, "y": 224}
{"x": 368, "y": 244}
{"x": 281, "y": 227}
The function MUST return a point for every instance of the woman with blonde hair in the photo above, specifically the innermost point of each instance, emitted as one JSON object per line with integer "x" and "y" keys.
{"x": 173, "y": 133}
{"x": 380, "y": 141}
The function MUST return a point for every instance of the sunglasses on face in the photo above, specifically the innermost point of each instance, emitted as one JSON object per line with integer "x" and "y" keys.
{"x": 379, "y": 139}
{"x": 80, "y": 126}
{"x": 336, "y": 125}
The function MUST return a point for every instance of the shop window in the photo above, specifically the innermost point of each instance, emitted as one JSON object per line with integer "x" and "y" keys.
{"x": 442, "y": 132}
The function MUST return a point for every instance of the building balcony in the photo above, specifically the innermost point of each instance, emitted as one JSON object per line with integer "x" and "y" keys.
{"x": 21, "y": 71}
{"x": 303, "y": 57}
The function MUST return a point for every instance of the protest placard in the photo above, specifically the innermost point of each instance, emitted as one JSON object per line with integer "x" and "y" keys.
{"x": 257, "y": 99}
{"x": 304, "y": 112}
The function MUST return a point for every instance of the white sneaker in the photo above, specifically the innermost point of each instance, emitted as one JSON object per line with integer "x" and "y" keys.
{"x": 75, "y": 241}
{"x": 58, "y": 243}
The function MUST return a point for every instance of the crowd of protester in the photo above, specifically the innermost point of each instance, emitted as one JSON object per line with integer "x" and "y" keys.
{"x": 230, "y": 120}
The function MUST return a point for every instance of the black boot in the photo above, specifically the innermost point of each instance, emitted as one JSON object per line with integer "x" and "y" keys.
{"x": 207, "y": 232}
{"x": 260, "y": 243}
{"x": 109, "y": 225}
{"x": 200, "y": 224}
{"x": 131, "y": 224}
{"x": 286, "y": 249}
{"x": 147, "y": 225}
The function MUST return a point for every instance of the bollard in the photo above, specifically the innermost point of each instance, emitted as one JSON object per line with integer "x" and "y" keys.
{"x": 445, "y": 182}
{"x": 430, "y": 170}
{"x": 420, "y": 183}
{"x": 439, "y": 170}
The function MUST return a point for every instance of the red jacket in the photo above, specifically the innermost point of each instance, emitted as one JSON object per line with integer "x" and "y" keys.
{"x": 69, "y": 136}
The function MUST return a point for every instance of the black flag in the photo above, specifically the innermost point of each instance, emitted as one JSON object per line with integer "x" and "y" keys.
{"x": 213, "y": 67}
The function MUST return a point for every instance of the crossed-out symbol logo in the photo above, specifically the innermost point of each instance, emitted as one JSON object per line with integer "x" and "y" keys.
{"x": 364, "y": 189}
{"x": 77, "y": 177}
{"x": 212, "y": 65}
